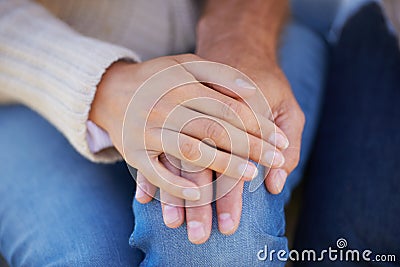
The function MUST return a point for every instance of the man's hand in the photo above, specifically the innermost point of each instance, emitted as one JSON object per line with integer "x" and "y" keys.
{"x": 244, "y": 35}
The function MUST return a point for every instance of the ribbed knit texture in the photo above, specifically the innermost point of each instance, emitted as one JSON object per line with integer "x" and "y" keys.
{"x": 50, "y": 67}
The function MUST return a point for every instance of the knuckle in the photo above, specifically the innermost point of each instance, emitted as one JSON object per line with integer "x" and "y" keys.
{"x": 255, "y": 146}
{"x": 253, "y": 127}
{"x": 231, "y": 110}
{"x": 190, "y": 151}
{"x": 213, "y": 131}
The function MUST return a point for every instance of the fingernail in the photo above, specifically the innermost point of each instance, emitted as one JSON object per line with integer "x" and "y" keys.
{"x": 244, "y": 84}
{"x": 279, "y": 140}
{"x": 274, "y": 158}
{"x": 196, "y": 231}
{"x": 171, "y": 214}
{"x": 141, "y": 190}
{"x": 280, "y": 179}
{"x": 191, "y": 194}
{"x": 225, "y": 223}
{"x": 248, "y": 170}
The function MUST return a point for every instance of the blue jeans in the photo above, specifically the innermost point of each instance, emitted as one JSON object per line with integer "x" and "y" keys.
{"x": 58, "y": 209}
{"x": 352, "y": 190}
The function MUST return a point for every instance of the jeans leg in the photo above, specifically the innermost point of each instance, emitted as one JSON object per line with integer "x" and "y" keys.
{"x": 304, "y": 57}
{"x": 318, "y": 15}
{"x": 353, "y": 187}
{"x": 56, "y": 208}
{"x": 263, "y": 223}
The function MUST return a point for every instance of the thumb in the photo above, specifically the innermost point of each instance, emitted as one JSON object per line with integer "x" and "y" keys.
{"x": 292, "y": 124}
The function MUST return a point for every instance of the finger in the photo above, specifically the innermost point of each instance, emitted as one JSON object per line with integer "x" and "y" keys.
{"x": 221, "y": 77}
{"x": 144, "y": 190}
{"x": 189, "y": 149}
{"x": 172, "y": 207}
{"x": 225, "y": 136}
{"x": 161, "y": 177}
{"x": 229, "y": 204}
{"x": 199, "y": 213}
{"x": 292, "y": 123}
{"x": 239, "y": 89}
{"x": 236, "y": 113}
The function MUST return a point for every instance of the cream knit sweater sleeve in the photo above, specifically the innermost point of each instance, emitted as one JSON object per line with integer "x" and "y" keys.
{"x": 52, "y": 69}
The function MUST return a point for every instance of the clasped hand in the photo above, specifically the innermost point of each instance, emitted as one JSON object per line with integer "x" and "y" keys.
{"x": 178, "y": 120}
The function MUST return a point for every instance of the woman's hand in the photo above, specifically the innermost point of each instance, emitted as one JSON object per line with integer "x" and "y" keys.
{"x": 163, "y": 117}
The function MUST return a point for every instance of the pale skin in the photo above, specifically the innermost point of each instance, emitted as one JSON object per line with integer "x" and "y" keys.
{"x": 248, "y": 38}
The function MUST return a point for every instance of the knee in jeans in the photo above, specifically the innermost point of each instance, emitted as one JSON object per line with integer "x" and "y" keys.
{"x": 262, "y": 224}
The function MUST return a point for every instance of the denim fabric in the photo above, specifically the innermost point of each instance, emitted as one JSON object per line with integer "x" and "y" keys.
{"x": 320, "y": 15}
{"x": 58, "y": 209}
{"x": 353, "y": 186}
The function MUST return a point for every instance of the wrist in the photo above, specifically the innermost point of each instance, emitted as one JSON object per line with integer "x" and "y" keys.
{"x": 244, "y": 45}
{"x": 238, "y": 55}
{"x": 241, "y": 29}
{"x": 107, "y": 109}
{"x": 241, "y": 38}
